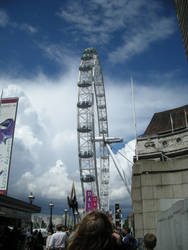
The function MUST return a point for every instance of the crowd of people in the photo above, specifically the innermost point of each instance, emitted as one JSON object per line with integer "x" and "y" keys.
{"x": 34, "y": 241}
{"x": 94, "y": 232}
{"x": 11, "y": 238}
{"x": 97, "y": 232}
{"x": 17, "y": 239}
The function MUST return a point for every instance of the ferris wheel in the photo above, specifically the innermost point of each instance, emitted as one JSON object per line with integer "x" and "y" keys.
{"x": 91, "y": 100}
{"x": 92, "y": 130}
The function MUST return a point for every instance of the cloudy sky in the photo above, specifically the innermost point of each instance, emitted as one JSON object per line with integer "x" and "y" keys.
{"x": 41, "y": 45}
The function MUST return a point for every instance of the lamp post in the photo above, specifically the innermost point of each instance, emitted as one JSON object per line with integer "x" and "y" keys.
{"x": 31, "y": 197}
{"x": 51, "y": 205}
{"x": 65, "y": 212}
{"x": 75, "y": 218}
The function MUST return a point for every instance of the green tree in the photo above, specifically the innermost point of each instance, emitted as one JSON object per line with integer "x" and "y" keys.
{"x": 43, "y": 224}
{"x": 126, "y": 223}
{"x": 36, "y": 225}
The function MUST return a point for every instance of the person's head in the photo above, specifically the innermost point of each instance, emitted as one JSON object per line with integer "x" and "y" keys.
{"x": 150, "y": 241}
{"x": 110, "y": 218}
{"x": 94, "y": 232}
{"x": 127, "y": 231}
{"x": 123, "y": 232}
{"x": 59, "y": 227}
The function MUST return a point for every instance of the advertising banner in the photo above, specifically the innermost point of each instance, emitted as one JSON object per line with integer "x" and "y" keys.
{"x": 89, "y": 206}
{"x": 8, "y": 110}
{"x": 94, "y": 202}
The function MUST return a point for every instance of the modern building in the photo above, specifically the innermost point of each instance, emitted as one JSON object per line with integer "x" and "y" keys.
{"x": 182, "y": 15}
{"x": 160, "y": 170}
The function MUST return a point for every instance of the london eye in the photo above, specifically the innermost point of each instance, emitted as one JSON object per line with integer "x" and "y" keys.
{"x": 92, "y": 130}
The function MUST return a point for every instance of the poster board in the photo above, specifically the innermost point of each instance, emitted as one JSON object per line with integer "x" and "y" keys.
{"x": 8, "y": 111}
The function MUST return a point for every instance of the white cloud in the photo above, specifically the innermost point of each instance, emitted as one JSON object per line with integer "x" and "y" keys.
{"x": 53, "y": 183}
{"x": 142, "y": 39}
{"x": 28, "y": 28}
{"x": 45, "y": 157}
{"x": 97, "y": 23}
{"x": 29, "y": 139}
{"x": 4, "y": 19}
{"x": 118, "y": 189}
{"x": 148, "y": 100}
{"x": 138, "y": 24}
{"x": 55, "y": 52}
{"x": 64, "y": 139}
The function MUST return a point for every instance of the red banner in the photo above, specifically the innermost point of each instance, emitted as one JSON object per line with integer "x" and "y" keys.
{"x": 94, "y": 202}
{"x": 89, "y": 205}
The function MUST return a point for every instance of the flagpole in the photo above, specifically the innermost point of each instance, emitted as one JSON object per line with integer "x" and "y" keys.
{"x": 1, "y": 99}
{"x": 186, "y": 125}
{"x": 134, "y": 116}
{"x": 172, "y": 125}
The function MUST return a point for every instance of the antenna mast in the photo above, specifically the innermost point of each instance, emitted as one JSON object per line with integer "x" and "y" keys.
{"x": 134, "y": 116}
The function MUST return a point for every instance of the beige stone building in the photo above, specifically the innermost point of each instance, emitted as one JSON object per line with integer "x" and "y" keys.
{"x": 160, "y": 171}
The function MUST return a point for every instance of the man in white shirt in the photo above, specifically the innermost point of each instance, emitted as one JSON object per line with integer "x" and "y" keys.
{"x": 59, "y": 239}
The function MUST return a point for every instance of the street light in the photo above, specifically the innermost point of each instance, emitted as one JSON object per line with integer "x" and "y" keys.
{"x": 75, "y": 218}
{"x": 65, "y": 212}
{"x": 31, "y": 197}
{"x": 51, "y": 205}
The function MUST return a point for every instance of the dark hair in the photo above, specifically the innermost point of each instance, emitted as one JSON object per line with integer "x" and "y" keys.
{"x": 94, "y": 232}
{"x": 128, "y": 230}
{"x": 150, "y": 241}
{"x": 59, "y": 227}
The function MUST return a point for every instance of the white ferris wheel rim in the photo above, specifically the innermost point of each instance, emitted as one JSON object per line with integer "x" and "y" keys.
{"x": 90, "y": 87}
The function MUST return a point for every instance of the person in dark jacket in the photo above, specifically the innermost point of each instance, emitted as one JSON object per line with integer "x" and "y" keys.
{"x": 129, "y": 241}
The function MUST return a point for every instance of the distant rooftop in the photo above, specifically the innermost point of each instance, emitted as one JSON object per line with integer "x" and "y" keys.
{"x": 167, "y": 121}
